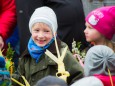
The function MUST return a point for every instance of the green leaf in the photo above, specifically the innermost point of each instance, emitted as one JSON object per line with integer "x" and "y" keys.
{"x": 9, "y": 52}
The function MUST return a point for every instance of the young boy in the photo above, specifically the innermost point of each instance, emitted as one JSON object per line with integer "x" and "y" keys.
{"x": 34, "y": 63}
{"x": 100, "y": 26}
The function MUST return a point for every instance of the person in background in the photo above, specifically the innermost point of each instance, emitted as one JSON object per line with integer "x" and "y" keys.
{"x": 70, "y": 17}
{"x": 7, "y": 20}
{"x": 100, "y": 58}
{"x": 100, "y": 26}
{"x": 14, "y": 44}
{"x": 51, "y": 81}
{"x": 99, "y": 67}
{"x": 89, "y": 5}
{"x": 34, "y": 64}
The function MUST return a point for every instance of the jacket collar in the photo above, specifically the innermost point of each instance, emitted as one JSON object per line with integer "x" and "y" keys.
{"x": 52, "y": 49}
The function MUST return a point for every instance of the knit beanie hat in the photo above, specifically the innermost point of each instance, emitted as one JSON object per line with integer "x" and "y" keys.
{"x": 98, "y": 60}
{"x": 4, "y": 73}
{"x": 103, "y": 20}
{"x": 51, "y": 81}
{"x": 45, "y": 15}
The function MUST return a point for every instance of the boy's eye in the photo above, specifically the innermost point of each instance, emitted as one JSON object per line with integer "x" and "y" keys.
{"x": 36, "y": 30}
{"x": 46, "y": 31}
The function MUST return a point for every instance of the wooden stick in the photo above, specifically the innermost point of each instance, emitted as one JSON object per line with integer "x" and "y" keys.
{"x": 17, "y": 82}
{"x": 26, "y": 82}
{"x": 110, "y": 77}
{"x": 57, "y": 49}
{"x": 1, "y": 53}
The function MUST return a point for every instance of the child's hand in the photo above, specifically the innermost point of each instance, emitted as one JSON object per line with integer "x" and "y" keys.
{"x": 1, "y": 42}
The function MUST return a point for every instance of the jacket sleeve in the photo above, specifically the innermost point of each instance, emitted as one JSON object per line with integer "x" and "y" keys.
{"x": 73, "y": 67}
{"x": 7, "y": 17}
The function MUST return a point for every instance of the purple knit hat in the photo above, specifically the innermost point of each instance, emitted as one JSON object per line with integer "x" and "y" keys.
{"x": 103, "y": 20}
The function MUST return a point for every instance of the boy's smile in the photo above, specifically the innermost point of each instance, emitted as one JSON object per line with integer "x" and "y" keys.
{"x": 41, "y": 34}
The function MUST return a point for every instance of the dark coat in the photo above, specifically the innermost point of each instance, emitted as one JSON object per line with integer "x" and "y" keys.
{"x": 35, "y": 71}
{"x": 70, "y": 19}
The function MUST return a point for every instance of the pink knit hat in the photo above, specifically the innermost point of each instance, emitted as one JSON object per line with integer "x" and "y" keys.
{"x": 103, "y": 20}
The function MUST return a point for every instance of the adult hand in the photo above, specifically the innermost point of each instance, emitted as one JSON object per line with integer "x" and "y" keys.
{"x": 1, "y": 42}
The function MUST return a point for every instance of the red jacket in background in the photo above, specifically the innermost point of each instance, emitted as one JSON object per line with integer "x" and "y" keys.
{"x": 7, "y": 18}
{"x": 106, "y": 79}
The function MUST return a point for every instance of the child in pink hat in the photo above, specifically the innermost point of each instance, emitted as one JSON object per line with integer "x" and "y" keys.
{"x": 100, "y": 26}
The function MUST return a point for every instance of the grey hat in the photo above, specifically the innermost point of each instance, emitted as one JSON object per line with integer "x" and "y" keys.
{"x": 98, "y": 60}
{"x": 45, "y": 15}
{"x": 51, "y": 81}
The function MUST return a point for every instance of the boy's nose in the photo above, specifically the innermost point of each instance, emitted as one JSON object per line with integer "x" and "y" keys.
{"x": 41, "y": 34}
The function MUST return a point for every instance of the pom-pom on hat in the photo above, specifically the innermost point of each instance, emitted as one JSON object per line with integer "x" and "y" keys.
{"x": 45, "y": 15}
{"x": 103, "y": 20}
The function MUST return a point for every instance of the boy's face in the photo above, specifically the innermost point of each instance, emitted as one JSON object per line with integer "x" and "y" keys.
{"x": 41, "y": 34}
{"x": 92, "y": 35}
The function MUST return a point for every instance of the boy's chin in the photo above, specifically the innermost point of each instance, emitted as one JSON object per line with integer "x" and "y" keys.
{"x": 41, "y": 45}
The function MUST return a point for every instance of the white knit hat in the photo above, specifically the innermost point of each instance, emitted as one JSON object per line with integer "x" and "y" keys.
{"x": 45, "y": 15}
{"x": 88, "y": 81}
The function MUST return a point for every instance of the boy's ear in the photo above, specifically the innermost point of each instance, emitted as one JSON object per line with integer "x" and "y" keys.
{"x": 55, "y": 33}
